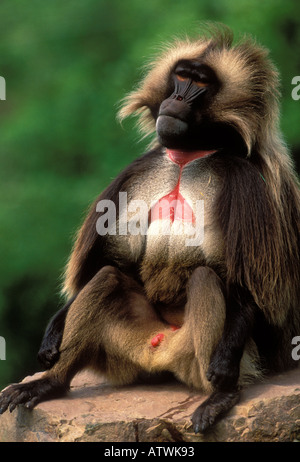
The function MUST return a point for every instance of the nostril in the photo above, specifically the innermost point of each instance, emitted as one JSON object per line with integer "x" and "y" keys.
{"x": 178, "y": 97}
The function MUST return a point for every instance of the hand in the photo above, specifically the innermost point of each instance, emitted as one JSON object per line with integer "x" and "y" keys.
{"x": 223, "y": 371}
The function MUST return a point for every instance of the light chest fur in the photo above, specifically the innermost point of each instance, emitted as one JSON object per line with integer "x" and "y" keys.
{"x": 171, "y": 237}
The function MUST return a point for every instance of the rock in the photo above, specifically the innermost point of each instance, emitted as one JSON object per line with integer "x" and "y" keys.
{"x": 96, "y": 411}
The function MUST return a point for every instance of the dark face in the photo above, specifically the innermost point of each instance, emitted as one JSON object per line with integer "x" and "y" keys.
{"x": 184, "y": 120}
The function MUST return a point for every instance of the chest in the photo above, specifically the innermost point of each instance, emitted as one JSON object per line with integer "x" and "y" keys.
{"x": 167, "y": 214}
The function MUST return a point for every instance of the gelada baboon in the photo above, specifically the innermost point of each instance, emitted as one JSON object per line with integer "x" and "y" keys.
{"x": 205, "y": 282}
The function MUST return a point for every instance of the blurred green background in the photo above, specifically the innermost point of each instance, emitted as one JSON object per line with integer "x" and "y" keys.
{"x": 67, "y": 65}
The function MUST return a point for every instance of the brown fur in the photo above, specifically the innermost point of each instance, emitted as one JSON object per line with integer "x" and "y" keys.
{"x": 126, "y": 329}
{"x": 232, "y": 294}
{"x": 258, "y": 204}
{"x": 269, "y": 261}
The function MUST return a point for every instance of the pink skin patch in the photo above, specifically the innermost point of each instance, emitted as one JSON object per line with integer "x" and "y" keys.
{"x": 157, "y": 340}
{"x": 173, "y": 205}
{"x": 173, "y": 328}
{"x": 184, "y": 157}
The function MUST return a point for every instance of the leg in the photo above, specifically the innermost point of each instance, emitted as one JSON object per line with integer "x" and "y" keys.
{"x": 188, "y": 351}
{"x": 105, "y": 328}
{"x": 205, "y": 313}
{"x": 234, "y": 362}
{"x": 113, "y": 328}
{"x": 202, "y": 329}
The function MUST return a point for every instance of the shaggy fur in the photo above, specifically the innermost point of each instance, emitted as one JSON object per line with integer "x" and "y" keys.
{"x": 262, "y": 252}
{"x": 234, "y": 298}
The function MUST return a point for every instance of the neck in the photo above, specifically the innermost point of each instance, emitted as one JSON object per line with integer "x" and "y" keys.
{"x": 181, "y": 157}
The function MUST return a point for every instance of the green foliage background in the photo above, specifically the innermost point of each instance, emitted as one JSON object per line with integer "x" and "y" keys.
{"x": 67, "y": 65}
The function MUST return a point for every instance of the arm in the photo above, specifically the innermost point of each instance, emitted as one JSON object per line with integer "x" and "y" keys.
{"x": 224, "y": 367}
{"x": 49, "y": 350}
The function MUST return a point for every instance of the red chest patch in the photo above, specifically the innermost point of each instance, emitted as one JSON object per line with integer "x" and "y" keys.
{"x": 173, "y": 205}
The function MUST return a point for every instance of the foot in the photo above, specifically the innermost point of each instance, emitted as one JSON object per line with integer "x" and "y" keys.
{"x": 30, "y": 393}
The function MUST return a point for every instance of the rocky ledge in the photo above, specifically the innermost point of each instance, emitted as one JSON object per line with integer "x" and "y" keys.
{"x": 96, "y": 411}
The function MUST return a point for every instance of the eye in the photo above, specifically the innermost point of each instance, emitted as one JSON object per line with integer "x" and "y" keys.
{"x": 181, "y": 78}
{"x": 200, "y": 83}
